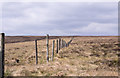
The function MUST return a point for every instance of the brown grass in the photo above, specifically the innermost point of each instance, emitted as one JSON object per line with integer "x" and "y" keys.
{"x": 86, "y": 56}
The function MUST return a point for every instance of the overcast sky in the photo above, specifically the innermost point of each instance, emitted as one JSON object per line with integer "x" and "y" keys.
{"x": 60, "y": 18}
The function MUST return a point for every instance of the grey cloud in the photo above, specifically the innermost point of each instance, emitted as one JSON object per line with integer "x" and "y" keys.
{"x": 56, "y": 18}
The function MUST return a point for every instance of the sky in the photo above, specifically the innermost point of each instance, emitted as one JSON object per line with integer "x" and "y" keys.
{"x": 60, "y": 18}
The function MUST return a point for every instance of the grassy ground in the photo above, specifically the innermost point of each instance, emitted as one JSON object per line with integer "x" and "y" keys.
{"x": 86, "y": 56}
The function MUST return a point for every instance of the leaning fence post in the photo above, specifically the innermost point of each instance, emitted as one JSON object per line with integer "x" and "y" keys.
{"x": 68, "y": 43}
{"x": 57, "y": 46}
{"x": 36, "y": 52}
{"x": 47, "y": 40}
{"x": 53, "y": 49}
{"x": 2, "y": 49}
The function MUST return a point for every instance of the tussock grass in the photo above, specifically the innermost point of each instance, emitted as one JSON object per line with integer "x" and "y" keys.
{"x": 83, "y": 57}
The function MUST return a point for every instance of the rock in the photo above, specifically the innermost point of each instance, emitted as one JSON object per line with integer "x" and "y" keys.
{"x": 17, "y": 60}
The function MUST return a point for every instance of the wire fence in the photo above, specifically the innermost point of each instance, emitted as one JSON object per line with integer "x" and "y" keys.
{"x": 38, "y": 50}
{"x": 60, "y": 44}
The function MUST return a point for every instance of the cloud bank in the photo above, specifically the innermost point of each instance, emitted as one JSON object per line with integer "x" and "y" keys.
{"x": 60, "y": 18}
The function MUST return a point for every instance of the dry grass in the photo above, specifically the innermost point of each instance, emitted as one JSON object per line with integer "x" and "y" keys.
{"x": 86, "y": 56}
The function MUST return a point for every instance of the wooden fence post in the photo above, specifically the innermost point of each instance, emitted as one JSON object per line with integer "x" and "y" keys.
{"x": 47, "y": 40}
{"x": 57, "y": 46}
{"x": 36, "y": 52}
{"x": 59, "y": 43}
{"x": 2, "y": 49}
{"x": 64, "y": 43}
{"x": 70, "y": 41}
{"x": 53, "y": 49}
{"x": 68, "y": 44}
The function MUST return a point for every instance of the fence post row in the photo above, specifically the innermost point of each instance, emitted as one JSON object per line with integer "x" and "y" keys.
{"x": 57, "y": 46}
{"x": 53, "y": 49}
{"x": 47, "y": 40}
{"x": 36, "y": 52}
{"x": 2, "y": 47}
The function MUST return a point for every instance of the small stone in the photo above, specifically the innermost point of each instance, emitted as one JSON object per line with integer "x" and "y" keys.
{"x": 17, "y": 60}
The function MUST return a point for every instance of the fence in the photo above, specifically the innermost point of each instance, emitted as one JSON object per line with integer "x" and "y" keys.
{"x": 60, "y": 43}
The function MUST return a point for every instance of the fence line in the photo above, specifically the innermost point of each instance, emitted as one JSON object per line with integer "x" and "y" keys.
{"x": 2, "y": 48}
{"x": 60, "y": 44}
